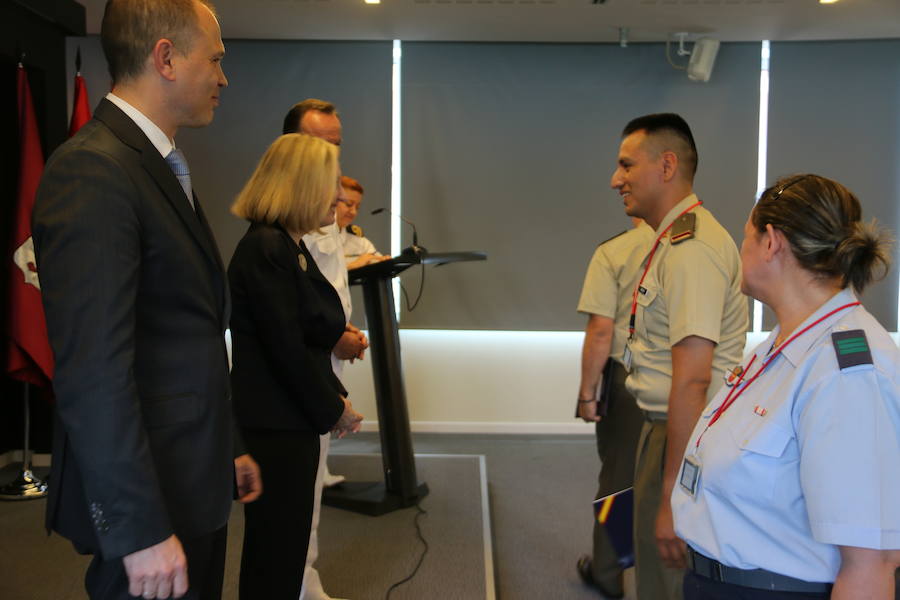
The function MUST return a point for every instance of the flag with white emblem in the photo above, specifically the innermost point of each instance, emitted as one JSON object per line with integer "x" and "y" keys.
{"x": 29, "y": 357}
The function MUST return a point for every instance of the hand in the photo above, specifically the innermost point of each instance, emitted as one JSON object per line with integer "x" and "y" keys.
{"x": 366, "y": 259}
{"x": 351, "y": 345}
{"x": 350, "y": 421}
{"x": 588, "y": 412}
{"x": 353, "y": 329}
{"x": 159, "y": 571}
{"x": 248, "y": 477}
{"x": 672, "y": 549}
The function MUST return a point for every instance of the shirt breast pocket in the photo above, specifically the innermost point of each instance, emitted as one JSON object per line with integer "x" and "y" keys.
{"x": 647, "y": 294}
{"x": 764, "y": 458}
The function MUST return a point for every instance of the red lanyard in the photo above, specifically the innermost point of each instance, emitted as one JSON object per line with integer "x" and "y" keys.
{"x": 634, "y": 295}
{"x": 732, "y": 396}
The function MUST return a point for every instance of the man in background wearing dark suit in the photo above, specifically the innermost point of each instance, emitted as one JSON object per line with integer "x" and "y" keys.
{"x": 145, "y": 458}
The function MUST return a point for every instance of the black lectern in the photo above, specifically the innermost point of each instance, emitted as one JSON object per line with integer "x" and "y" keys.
{"x": 400, "y": 488}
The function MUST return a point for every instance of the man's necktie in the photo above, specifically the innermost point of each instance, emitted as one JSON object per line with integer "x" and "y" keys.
{"x": 179, "y": 166}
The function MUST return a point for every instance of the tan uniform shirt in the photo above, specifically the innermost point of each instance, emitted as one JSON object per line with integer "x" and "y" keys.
{"x": 692, "y": 288}
{"x": 610, "y": 280}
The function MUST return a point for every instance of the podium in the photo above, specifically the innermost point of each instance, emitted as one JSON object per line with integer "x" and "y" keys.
{"x": 400, "y": 488}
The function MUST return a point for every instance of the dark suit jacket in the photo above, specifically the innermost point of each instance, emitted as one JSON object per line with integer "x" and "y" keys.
{"x": 284, "y": 324}
{"x": 136, "y": 302}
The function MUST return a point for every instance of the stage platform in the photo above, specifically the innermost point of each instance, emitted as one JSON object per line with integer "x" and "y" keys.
{"x": 362, "y": 556}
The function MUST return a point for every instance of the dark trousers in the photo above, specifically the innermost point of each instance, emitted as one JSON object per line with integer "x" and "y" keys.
{"x": 617, "y": 439}
{"x": 106, "y": 579}
{"x": 697, "y": 587}
{"x": 277, "y": 525}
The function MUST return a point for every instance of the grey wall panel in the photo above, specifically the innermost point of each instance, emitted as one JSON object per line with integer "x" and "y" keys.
{"x": 265, "y": 80}
{"x": 509, "y": 148}
{"x": 835, "y": 111}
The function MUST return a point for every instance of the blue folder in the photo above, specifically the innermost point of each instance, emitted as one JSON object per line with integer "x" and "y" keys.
{"x": 616, "y": 513}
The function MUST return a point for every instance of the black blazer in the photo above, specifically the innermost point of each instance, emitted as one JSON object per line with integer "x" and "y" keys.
{"x": 285, "y": 321}
{"x": 136, "y": 302}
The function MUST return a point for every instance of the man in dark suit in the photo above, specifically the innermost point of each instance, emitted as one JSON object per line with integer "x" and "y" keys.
{"x": 145, "y": 458}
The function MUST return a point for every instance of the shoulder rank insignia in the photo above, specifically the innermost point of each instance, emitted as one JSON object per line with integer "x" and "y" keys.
{"x": 683, "y": 228}
{"x": 355, "y": 230}
{"x": 612, "y": 238}
{"x": 851, "y": 348}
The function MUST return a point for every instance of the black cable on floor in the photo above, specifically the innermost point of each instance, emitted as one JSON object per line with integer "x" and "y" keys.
{"x": 421, "y": 511}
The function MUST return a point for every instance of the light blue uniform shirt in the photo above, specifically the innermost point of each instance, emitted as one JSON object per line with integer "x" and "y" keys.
{"x": 807, "y": 458}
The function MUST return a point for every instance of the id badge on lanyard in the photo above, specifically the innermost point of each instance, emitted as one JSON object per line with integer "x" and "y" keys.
{"x": 626, "y": 357}
{"x": 690, "y": 475}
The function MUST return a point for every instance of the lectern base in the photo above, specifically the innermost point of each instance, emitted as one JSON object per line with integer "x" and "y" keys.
{"x": 369, "y": 497}
{"x": 25, "y": 487}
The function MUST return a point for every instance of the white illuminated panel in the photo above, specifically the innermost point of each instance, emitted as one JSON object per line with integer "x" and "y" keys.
{"x": 762, "y": 156}
{"x": 396, "y": 204}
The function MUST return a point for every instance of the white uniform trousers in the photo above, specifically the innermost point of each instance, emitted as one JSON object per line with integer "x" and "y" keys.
{"x": 312, "y": 585}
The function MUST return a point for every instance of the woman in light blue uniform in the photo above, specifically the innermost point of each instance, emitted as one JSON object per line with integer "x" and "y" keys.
{"x": 790, "y": 485}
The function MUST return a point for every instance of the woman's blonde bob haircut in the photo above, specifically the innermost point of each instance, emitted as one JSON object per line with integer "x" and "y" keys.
{"x": 293, "y": 185}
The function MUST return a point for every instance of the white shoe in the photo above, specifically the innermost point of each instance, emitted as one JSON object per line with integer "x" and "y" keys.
{"x": 331, "y": 480}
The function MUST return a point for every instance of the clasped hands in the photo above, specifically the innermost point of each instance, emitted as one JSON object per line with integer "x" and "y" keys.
{"x": 350, "y": 421}
{"x": 351, "y": 345}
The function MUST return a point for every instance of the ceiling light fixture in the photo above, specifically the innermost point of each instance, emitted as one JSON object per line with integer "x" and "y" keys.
{"x": 827, "y": 1}
{"x": 373, "y": 1}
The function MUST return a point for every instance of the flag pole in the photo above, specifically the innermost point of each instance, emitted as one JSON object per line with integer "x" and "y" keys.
{"x": 25, "y": 486}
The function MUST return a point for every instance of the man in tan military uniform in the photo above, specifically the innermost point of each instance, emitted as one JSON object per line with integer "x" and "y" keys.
{"x": 689, "y": 327}
{"x": 606, "y": 299}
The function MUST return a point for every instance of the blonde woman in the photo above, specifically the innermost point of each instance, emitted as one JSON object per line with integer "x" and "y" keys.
{"x": 286, "y": 317}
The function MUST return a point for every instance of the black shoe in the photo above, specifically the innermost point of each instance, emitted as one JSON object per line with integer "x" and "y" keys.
{"x": 583, "y": 566}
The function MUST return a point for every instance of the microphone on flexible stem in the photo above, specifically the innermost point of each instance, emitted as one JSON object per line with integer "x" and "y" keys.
{"x": 415, "y": 248}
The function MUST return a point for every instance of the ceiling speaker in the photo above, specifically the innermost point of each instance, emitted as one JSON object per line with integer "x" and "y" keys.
{"x": 703, "y": 58}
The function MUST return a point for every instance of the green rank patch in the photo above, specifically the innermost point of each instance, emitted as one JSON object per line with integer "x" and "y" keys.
{"x": 851, "y": 348}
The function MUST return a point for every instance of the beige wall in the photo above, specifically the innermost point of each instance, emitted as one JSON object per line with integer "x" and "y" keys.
{"x": 484, "y": 381}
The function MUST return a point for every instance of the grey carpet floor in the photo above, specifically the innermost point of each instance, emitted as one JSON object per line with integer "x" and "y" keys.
{"x": 540, "y": 492}
{"x": 362, "y": 556}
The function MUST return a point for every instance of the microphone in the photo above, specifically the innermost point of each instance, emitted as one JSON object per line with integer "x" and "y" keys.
{"x": 415, "y": 241}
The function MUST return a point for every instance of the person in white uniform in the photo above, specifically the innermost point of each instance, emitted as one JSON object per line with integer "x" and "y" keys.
{"x": 790, "y": 484}
{"x": 358, "y": 250}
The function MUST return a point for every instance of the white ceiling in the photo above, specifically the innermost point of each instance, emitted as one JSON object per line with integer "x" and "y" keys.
{"x": 549, "y": 20}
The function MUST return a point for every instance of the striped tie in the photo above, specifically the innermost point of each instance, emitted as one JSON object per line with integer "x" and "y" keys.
{"x": 179, "y": 166}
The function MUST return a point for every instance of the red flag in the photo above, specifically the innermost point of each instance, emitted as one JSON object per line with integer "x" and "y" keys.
{"x": 30, "y": 358}
{"x": 81, "y": 110}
